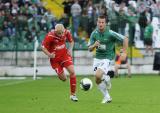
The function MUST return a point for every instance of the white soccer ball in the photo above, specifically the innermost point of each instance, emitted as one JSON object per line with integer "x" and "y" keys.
{"x": 86, "y": 84}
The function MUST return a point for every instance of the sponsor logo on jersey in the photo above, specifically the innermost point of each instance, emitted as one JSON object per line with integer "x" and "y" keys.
{"x": 60, "y": 47}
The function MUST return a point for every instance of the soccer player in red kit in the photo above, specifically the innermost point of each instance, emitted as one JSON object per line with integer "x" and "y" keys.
{"x": 54, "y": 46}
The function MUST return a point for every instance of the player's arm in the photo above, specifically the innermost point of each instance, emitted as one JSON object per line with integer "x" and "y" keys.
{"x": 121, "y": 38}
{"x": 71, "y": 41}
{"x": 50, "y": 55}
{"x": 93, "y": 43}
{"x": 71, "y": 44}
{"x": 45, "y": 45}
{"x": 125, "y": 44}
{"x": 93, "y": 46}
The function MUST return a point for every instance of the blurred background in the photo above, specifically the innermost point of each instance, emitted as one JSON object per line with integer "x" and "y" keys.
{"x": 24, "y": 24}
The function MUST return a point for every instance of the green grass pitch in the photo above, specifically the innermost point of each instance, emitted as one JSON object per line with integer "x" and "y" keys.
{"x": 139, "y": 94}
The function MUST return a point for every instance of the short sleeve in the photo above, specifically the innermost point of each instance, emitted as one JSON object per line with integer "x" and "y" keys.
{"x": 46, "y": 42}
{"x": 117, "y": 35}
{"x": 69, "y": 36}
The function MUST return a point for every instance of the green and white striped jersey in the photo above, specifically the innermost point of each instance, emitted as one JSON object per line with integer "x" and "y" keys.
{"x": 107, "y": 40}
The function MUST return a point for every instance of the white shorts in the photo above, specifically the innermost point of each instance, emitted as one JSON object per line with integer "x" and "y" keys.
{"x": 103, "y": 64}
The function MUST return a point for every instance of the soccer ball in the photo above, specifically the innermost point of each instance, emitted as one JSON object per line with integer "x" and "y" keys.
{"x": 86, "y": 84}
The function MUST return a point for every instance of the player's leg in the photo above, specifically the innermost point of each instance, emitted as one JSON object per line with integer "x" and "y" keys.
{"x": 102, "y": 79}
{"x": 59, "y": 70}
{"x": 104, "y": 86}
{"x": 72, "y": 82}
{"x": 68, "y": 64}
{"x": 98, "y": 76}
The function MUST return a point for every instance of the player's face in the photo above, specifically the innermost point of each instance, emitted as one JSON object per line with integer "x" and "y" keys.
{"x": 101, "y": 23}
{"x": 59, "y": 33}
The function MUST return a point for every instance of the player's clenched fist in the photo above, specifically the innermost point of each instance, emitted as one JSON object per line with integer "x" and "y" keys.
{"x": 123, "y": 55}
{"x": 97, "y": 44}
{"x": 51, "y": 55}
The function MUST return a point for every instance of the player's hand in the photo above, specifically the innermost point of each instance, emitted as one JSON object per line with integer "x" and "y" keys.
{"x": 97, "y": 44}
{"x": 51, "y": 55}
{"x": 70, "y": 52}
{"x": 123, "y": 55}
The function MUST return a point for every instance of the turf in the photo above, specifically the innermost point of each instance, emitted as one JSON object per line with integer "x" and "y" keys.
{"x": 139, "y": 94}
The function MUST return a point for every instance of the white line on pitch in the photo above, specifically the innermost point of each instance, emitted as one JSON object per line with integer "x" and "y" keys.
{"x": 14, "y": 83}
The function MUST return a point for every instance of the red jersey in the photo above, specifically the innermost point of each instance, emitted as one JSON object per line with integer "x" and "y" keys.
{"x": 56, "y": 44}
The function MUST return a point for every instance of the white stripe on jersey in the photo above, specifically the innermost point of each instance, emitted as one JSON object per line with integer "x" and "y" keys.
{"x": 117, "y": 35}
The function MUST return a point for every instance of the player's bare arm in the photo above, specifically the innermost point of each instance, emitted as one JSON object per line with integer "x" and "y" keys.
{"x": 71, "y": 44}
{"x": 50, "y": 55}
{"x": 93, "y": 46}
{"x": 125, "y": 44}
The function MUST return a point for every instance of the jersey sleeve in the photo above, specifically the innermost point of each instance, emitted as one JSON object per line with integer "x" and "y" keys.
{"x": 46, "y": 42}
{"x": 92, "y": 39}
{"x": 69, "y": 36}
{"x": 117, "y": 36}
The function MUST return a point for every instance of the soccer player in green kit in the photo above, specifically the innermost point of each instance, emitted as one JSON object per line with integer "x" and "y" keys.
{"x": 103, "y": 40}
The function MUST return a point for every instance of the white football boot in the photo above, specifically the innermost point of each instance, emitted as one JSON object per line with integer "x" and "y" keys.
{"x": 106, "y": 99}
{"x": 74, "y": 98}
{"x": 107, "y": 81}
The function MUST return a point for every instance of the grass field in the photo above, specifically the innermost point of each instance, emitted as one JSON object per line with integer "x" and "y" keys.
{"x": 139, "y": 94}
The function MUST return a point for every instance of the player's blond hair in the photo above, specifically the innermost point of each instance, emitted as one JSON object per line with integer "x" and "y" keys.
{"x": 59, "y": 28}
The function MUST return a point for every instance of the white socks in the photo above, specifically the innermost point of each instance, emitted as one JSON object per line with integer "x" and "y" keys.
{"x": 103, "y": 89}
{"x": 105, "y": 85}
{"x": 106, "y": 78}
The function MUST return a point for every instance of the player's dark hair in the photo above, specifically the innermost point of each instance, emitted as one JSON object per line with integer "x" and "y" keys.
{"x": 103, "y": 17}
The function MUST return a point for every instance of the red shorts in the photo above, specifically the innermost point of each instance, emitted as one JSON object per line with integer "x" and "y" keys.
{"x": 59, "y": 63}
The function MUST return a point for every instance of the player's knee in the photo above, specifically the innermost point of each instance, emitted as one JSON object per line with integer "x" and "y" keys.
{"x": 72, "y": 73}
{"x": 62, "y": 76}
{"x": 63, "y": 79}
{"x": 98, "y": 79}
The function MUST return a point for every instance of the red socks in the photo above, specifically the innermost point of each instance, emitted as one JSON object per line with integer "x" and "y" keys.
{"x": 72, "y": 84}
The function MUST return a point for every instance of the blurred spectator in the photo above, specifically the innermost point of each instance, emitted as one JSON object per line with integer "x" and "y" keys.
{"x": 30, "y": 35}
{"x": 142, "y": 23}
{"x": 6, "y": 28}
{"x": 122, "y": 21}
{"x": 84, "y": 21}
{"x": 67, "y": 6}
{"x": 32, "y": 22}
{"x": 83, "y": 3}
{"x": 2, "y": 17}
{"x": 122, "y": 63}
{"x": 21, "y": 22}
{"x": 33, "y": 10}
{"x": 156, "y": 9}
{"x": 104, "y": 11}
{"x": 1, "y": 33}
{"x": 49, "y": 15}
{"x": 148, "y": 38}
{"x": 41, "y": 9}
{"x": 76, "y": 13}
{"x": 43, "y": 23}
{"x": 90, "y": 9}
{"x": 132, "y": 19}
{"x": 64, "y": 20}
{"x": 113, "y": 17}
